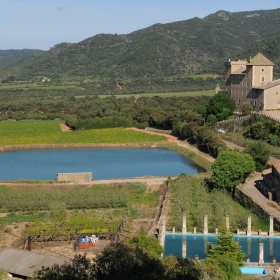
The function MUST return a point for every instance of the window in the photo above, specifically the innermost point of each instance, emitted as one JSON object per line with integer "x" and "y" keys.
{"x": 238, "y": 101}
{"x": 262, "y": 79}
{"x": 262, "y": 70}
{"x": 255, "y": 103}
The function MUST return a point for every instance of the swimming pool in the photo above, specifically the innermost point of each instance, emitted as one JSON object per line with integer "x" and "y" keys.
{"x": 198, "y": 244}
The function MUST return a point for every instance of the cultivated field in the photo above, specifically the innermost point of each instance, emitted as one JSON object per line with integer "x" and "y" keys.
{"x": 30, "y": 132}
{"x": 161, "y": 94}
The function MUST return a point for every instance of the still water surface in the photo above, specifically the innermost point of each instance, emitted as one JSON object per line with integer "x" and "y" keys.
{"x": 103, "y": 163}
{"x": 197, "y": 244}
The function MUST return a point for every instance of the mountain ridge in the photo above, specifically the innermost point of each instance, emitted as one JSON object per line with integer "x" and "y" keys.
{"x": 197, "y": 45}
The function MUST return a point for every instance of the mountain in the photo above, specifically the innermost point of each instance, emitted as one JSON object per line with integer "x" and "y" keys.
{"x": 10, "y": 56}
{"x": 161, "y": 50}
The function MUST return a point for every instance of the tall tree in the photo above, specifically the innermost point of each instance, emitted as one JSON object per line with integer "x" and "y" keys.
{"x": 231, "y": 168}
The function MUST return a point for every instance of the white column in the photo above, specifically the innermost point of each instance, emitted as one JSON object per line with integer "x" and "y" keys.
{"x": 184, "y": 228}
{"x": 194, "y": 230}
{"x": 205, "y": 230}
{"x": 173, "y": 229}
{"x": 249, "y": 229}
{"x": 261, "y": 261}
{"x": 271, "y": 233}
{"x": 227, "y": 222}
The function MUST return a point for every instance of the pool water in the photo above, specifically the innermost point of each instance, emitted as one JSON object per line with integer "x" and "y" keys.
{"x": 197, "y": 244}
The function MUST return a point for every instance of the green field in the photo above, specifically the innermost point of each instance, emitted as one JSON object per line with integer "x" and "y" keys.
{"x": 31, "y": 132}
{"x": 203, "y": 76}
{"x": 167, "y": 94}
{"x": 161, "y": 94}
{"x": 36, "y": 86}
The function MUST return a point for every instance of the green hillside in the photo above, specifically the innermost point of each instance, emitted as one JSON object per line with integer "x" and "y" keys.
{"x": 8, "y": 57}
{"x": 173, "y": 50}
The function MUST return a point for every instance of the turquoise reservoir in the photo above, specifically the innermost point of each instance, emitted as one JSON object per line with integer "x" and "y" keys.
{"x": 197, "y": 244}
{"x": 103, "y": 163}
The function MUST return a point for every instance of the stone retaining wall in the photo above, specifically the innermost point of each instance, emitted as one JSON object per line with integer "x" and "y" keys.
{"x": 247, "y": 202}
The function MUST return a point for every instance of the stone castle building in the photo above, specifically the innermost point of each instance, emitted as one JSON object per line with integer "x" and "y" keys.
{"x": 252, "y": 81}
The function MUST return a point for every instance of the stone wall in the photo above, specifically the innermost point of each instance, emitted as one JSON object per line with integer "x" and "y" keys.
{"x": 237, "y": 123}
{"x": 75, "y": 177}
{"x": 247, "y": 202}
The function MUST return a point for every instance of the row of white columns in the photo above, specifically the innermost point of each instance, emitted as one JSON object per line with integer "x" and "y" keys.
{"x": 205, "y": 225}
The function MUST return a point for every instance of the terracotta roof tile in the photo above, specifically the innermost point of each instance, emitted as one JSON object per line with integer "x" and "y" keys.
{"x": 260, "y": 60}
{"x": 276, "y": 165}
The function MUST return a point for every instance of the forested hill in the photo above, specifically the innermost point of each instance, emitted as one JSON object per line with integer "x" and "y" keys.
{"x": 191, "y": 46}
{"x": 10, "y": 56}
{"x": 270, "y": 48}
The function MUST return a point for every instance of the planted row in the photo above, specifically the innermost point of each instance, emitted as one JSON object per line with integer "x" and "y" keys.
{"x": 29, "y": 200}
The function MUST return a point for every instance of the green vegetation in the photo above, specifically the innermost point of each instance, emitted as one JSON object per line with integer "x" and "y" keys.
{"x": 16, "y": 199}
{"x": 190, "y": 195}
{"x": 21, "y": 217}
{"x": 162, "y": 94}
{"x": 226, "y": 257}
{"x": 147, "y": 243}
{"x": 231, "y": 168}
{"x": 220, "y": 107}
{"x": 94, "y": 123}
{"x": 119, "y": 261}
{"x": 49, "y": 132}
{"x": 260, "y": 152}
{"x": 147, "y": 58}
{"x": 76, "y": 223}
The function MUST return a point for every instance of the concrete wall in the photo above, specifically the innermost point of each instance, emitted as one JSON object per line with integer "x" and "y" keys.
{"x": 272, "y": 98}
{"x": 262, "y": 74}
{"x": 75, "y": 177}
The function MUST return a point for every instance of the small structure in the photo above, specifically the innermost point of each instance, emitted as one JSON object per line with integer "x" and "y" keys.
{"x": 75, "y": 177}
{"x": 23, "y": 263}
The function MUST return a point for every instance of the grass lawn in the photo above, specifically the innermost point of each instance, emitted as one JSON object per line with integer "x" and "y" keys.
{"x": 48, "y": 132}
{"x": 23, "y": 217}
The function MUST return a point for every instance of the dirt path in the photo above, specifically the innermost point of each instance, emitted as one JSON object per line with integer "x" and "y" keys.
{"x": 64, "y": 127}
{"x": 185, "y": 144}
{"x": 233, "y": 146}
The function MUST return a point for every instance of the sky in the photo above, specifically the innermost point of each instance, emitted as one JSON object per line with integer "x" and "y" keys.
{"x": 40, "y": 24}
